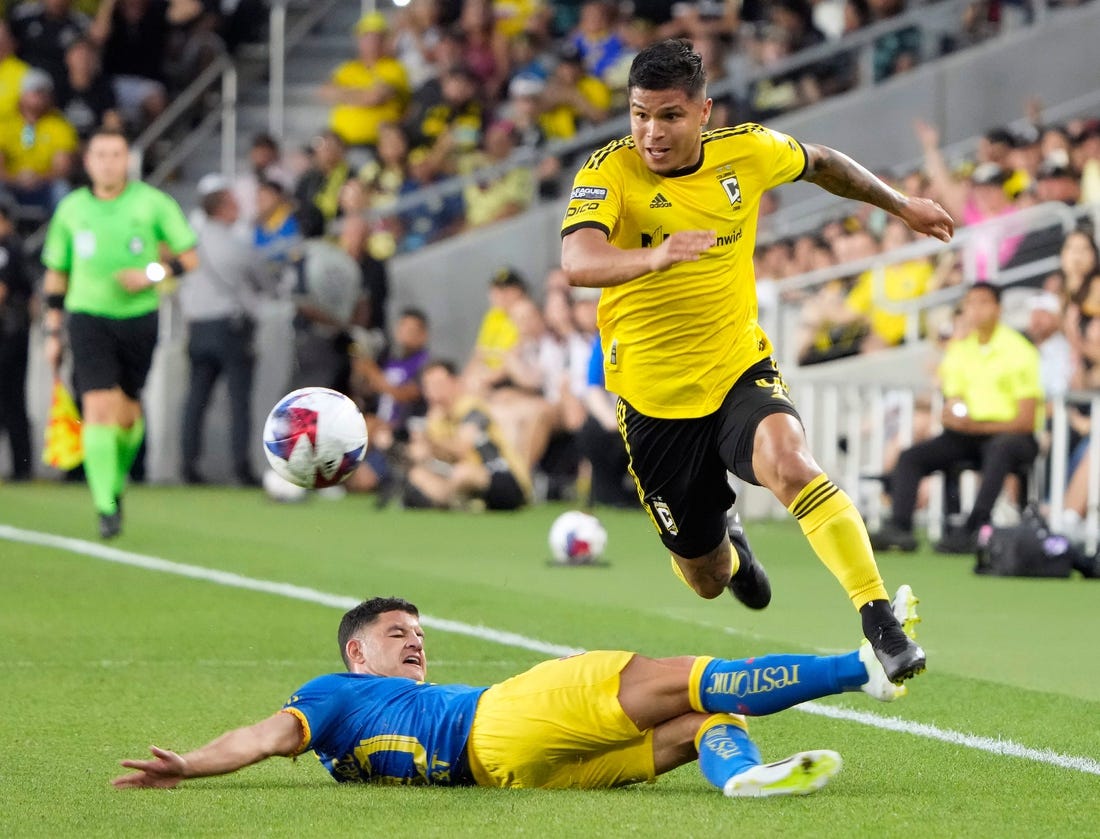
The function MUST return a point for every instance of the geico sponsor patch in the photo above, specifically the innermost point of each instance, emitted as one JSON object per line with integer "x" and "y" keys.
{"x": 591, "y": 193}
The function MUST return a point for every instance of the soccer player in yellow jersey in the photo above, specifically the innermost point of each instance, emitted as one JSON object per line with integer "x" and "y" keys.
{"x": 664, "y": 221}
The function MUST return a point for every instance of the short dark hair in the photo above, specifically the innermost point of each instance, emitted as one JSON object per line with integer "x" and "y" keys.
{"x": 367, "y": 613}
{"x": 994, "y": 291}
{"x": 103, "y": 131}
{"x": 672, "y": 64}
{"x": 443, "y": 363}
{"x": 414, "y": 312}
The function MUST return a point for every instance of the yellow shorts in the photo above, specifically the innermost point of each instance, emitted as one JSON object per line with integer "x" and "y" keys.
{"x": 560, "y": 725}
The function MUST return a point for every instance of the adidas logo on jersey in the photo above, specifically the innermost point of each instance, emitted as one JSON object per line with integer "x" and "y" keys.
{"x": 659, "y": 202}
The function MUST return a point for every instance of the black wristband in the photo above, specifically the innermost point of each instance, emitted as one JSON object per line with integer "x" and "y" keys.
{"x": 176, "y": 267}
{"x": 55, "y": 301}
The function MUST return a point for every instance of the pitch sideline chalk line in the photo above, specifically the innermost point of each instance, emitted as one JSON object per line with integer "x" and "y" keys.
{"x": 227, "y": 578}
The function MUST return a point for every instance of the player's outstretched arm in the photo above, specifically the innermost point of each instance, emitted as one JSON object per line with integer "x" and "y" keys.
{"x": 588, "y": 259}
{"x": 279, "y": 734}
{"x": 839, "y": 174}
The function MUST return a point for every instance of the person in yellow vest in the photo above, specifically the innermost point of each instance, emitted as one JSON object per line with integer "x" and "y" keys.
{"x": 369, "y": 90}
{"x": 992, "y": 413}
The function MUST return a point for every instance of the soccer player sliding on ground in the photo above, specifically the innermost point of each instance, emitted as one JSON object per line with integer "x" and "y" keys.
{"x": 591, "y": 721}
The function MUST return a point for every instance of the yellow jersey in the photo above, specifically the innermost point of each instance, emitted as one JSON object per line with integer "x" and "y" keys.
{"x": 491, "y": 450}
{"x": 992, "y": 378}
{"x": 32, "y": 147}
{"x": 12, "y": 71}
{"x": 358, "y": 126}
{"x": 906, "y": 281}
{"x": 675, "y": 341}
{"x": 495, "y": 337}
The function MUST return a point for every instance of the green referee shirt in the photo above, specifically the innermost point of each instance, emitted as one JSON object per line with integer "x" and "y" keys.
{"x": 92, "y": 239}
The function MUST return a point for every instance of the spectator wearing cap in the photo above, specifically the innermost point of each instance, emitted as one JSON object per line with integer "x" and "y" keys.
{"x": 494, "y": 197}
{"x": 44, "y": 31}
{"x": 12, "y": 70}
{"x": 572, "y": 97}
{"x": 1044, "y": 329}
{"x": 369, "y": 90}
{"x": 276, "y": 231}
{"x": 1025, "y": 149}
{"x": 524, "y": 109}
{"x": 85, "y": 96}
{"x": 1055, "y": 180}
{"x": 980, "y": 198}
{"x": 219, "y": 302}
{"x": 497, "y": 333}
{"x": 37, "y": 147}
{"x": 16, "y": 290}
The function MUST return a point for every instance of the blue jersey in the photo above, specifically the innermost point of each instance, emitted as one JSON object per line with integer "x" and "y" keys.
{"x": 387, "y": 729}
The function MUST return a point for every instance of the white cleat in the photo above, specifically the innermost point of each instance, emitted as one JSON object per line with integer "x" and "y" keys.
{"x": 799, "y": 774}
{"x": 878, "y": 686}
{"x": 904, "y": 605}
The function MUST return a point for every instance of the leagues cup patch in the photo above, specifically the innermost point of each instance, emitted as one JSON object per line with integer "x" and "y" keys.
{"x": 588, "y": 193}
{"x": 137, "y": 246}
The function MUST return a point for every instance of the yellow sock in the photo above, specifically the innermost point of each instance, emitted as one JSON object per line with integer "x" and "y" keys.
{"x": 839, "y": 538}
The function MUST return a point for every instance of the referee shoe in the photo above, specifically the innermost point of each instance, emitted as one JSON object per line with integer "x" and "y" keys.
{"x": 749, "y": 584}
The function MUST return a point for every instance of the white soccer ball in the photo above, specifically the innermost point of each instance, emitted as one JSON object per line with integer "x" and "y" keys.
{"x": 577, "y": 538}
{"x": 281, "y": 490}
{"x": 315, "y": 437}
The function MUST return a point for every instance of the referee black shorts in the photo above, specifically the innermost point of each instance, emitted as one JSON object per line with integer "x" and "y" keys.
{"x": 680, "y": 465}
{"x": 110, "y": 352}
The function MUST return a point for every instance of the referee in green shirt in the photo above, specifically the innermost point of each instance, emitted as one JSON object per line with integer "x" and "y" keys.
{"x": 103, "y": 258}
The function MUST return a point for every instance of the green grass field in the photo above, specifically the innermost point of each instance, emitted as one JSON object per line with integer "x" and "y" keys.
{"x": 99, "y": 659}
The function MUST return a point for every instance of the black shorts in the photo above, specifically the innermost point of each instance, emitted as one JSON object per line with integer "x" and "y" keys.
{"x": 680, "y": 465}
{"x": 110, "y": 352}
{"x": 504, "y": 492}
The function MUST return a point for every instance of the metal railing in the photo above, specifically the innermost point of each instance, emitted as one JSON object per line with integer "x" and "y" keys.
{"x": 991, "y": 232}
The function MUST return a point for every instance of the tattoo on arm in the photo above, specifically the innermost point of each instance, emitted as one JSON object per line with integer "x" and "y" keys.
{"x": 839, "y": 174}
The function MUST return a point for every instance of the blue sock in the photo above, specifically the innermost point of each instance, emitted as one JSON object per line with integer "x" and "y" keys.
{"x": 759, "y": 686}
{"x": 725, "y": 750}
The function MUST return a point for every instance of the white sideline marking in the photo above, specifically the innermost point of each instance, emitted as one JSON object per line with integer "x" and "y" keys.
{"x": 226, "y": 578}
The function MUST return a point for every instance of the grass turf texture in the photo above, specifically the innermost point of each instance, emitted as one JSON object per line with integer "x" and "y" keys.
{"x": 100, "y": 660}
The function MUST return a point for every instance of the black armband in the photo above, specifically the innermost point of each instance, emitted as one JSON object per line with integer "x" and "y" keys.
{"x": 55, "y": 301}
{"x": 176, "y": 267}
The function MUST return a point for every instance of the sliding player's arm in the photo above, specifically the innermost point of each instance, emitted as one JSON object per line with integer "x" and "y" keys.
{"x": 279, "y": 734}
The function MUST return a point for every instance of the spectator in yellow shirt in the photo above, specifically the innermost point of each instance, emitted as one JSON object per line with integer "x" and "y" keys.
{"x": 36, "y": 146}
{"x": 370, "y": 90}
{"x": 572, "y": 97}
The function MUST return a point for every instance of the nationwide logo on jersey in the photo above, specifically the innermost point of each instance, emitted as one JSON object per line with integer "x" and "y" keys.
{"x": 588, "y": 193}
{"x": 659, "y": 202}
{"x": 733, "y": 189}
{"x": 137, "y": 246}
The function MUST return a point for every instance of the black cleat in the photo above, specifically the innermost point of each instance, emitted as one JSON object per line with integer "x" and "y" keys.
{"x": 900, "y": 656}
{"x": 890, "y": 537}
{"x": 750, "y": 584}
{"x": 110, "y": 525}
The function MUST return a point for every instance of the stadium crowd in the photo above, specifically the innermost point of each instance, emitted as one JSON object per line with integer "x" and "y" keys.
{"x": 448, "y": 88}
